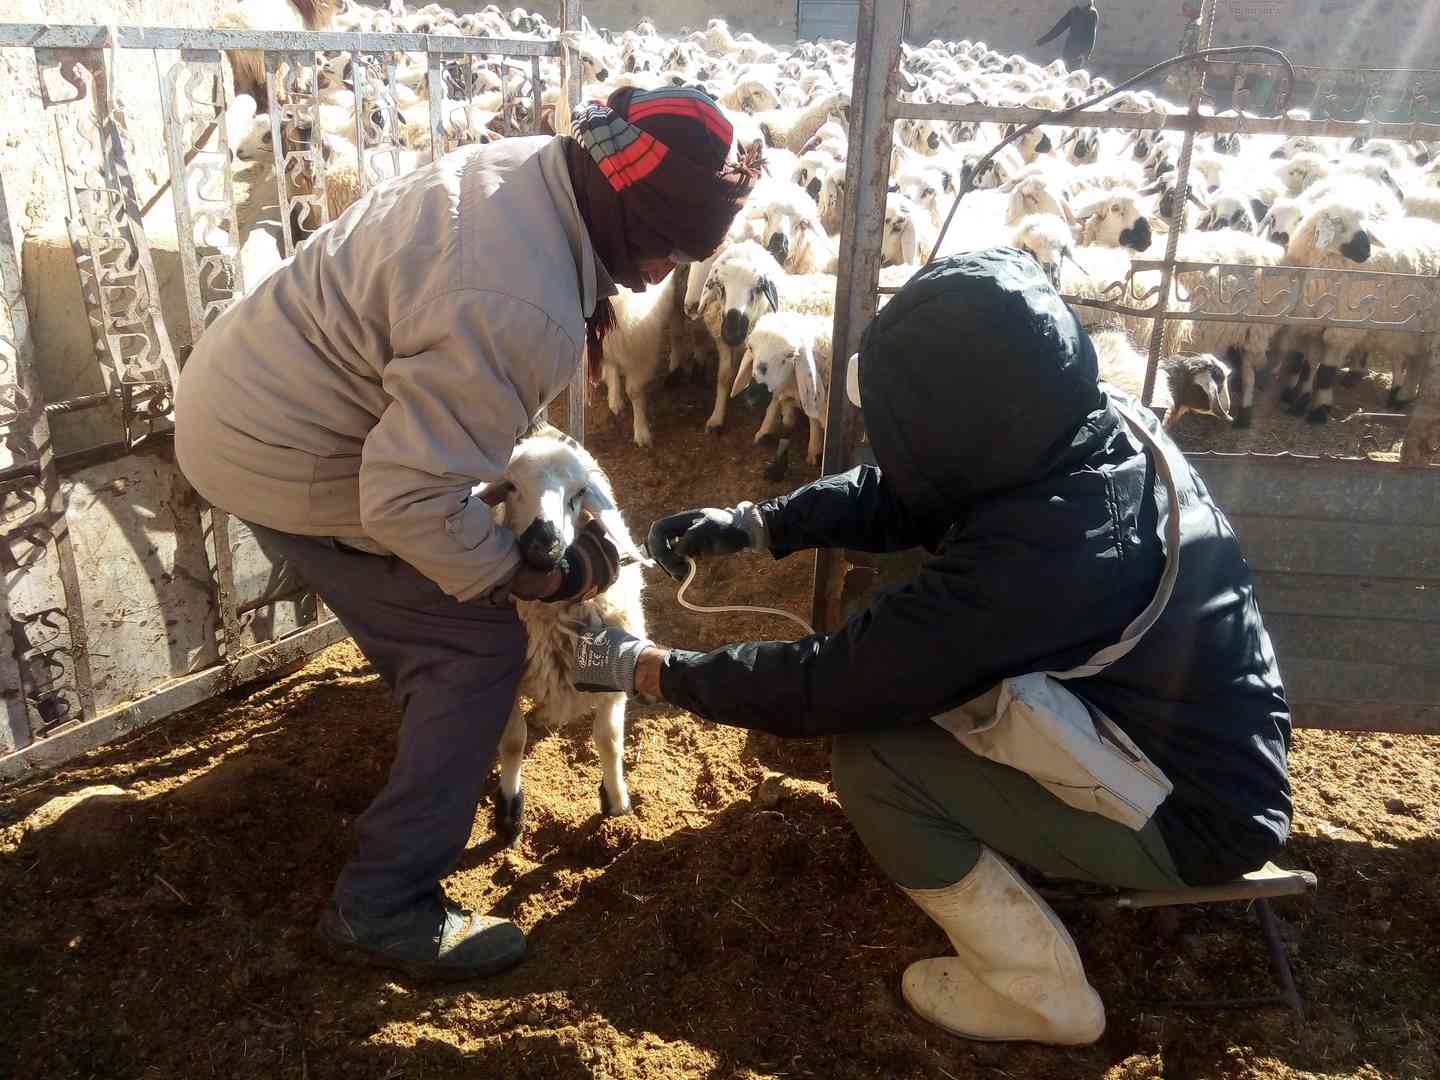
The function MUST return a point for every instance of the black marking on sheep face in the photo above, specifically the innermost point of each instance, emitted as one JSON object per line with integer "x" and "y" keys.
{"x": 1138, "y": 236}
{"x": 933, "y": 141}
{"x": 540, "y": 545}
{"x": 1044, "y": 146}
{"x": 779, "y": 246}
{"x": 813, "y": 188}
{"x": 734, "y": 328}
{"x": 1357, "y": 248}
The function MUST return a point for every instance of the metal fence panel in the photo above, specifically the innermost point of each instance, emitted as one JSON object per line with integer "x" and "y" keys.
{"x": 125, "y": 597}
{"x": 1346, "y": 554}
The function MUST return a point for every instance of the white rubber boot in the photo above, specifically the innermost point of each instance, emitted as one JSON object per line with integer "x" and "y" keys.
{"x": 1016, "y": 975}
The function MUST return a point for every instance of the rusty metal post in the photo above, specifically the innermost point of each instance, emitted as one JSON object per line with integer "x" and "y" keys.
{"x": 867, "y": 182}
{"x": 570, "y": 89}
{"x": 1160, "y": 328}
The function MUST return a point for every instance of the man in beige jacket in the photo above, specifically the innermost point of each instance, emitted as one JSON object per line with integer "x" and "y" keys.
{"x": 348, "y": 406}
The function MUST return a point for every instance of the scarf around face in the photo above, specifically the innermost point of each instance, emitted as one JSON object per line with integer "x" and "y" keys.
{"x": 651, "y": 178}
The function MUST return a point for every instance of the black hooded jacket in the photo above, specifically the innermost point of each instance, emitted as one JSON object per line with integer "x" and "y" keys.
{"x": 999, "y": 453}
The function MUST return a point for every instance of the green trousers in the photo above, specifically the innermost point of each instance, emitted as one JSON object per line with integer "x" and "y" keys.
{"x": 923, "y": 805}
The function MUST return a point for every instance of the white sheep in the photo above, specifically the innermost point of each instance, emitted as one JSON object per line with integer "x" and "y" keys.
{"x": 1112, "y": 219}
{"x": 636, "y": 349}
{"x": 743, "y": 284}
{"x": 792, "y": 231}
{"x": 794, "y": 129}
{"x": 1338, "y": 235}
{"x": 553, "y": 484}
{"x": 789, "y": 354}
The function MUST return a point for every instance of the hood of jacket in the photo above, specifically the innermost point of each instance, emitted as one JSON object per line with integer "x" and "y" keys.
{"x": 976, "y": 379}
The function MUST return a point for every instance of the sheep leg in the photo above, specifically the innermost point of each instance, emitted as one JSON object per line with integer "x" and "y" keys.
{"x": 1354, "y": 368}
{"x": 771, "y": 423}
{"x": 1241, "y": 363}
{"x": 1295, "y": 372}
{"x": 817, "y": 443}
{"x": 724, "y": 374}
{"x": 510, "y": 799}
{"x": 1324, "y": 394}
{"x": 609, "y": 736}
{"x": 637, "y": 392}
{"x": 613, "y": 399}
{"x": 1405, "y": 379}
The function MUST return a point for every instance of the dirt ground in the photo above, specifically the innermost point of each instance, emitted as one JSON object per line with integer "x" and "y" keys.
{"x": 732, "y": 927}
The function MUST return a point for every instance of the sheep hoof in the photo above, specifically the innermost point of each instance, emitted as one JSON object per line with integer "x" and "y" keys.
{"x": 610, "y": 810}
{"x": 713, "y": 426}
{"x": 509, "y": 815}
{"x": 780, "y": 465}
{"x": 1318, "y": 415}
{"x": 1301, "y": 405}
{"x": 1243, "y": 416}
{"x": 1288, "y": 395}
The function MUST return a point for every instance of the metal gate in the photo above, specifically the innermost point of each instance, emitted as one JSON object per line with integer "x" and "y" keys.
{"x": 1345, "y": 553}
{"x": 125, "y": 597}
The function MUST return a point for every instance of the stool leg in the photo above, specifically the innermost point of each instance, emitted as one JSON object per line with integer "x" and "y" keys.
{"x": 1278, "y": 960}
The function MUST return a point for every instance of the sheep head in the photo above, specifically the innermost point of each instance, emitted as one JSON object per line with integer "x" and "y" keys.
{"x": 552, "y": 486}
{"x": 742, "y": 281}
{"x": 1198, "y": 384}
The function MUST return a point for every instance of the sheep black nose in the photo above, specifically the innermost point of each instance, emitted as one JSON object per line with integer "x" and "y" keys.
{"x": 813, "y": 189}
{"x": 1281, "y": 238}
{"x": 1137, "y": 237}
{"x": 779, "y": 246}
{"x": 734, "y": 328}
{"x": 933, "y": 141}
{"x": 540, "y": 545}
{"x": 602, "y": 74}
{"x": 1357, "y": 248}
{"x": 1044, "y": 146}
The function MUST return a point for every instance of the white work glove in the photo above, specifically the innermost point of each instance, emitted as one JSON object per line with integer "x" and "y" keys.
{"x": 605, "y": 660}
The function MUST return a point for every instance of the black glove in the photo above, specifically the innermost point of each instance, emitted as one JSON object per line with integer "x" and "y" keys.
{"x": 589, "y": 566}
{"x": 708, "y": 531}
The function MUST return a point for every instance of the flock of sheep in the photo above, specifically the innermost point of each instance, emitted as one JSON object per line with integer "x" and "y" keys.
{"x": 1083, "y": 202}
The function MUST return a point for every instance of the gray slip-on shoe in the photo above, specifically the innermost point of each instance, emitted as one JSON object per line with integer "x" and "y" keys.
{"x": 435, "y": 939}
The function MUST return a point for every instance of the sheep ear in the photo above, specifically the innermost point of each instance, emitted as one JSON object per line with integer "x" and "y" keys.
{"x": 807, "y": 381}
{"x": 599, "y": 501}
{"x": 744, "y": 375}
{"x": 771, "y": 296}
{"x": 1194, "y": 198}
{"x": 1069, "y": 214}
{"x": 852, "y": 380}
{"x": 1375, "y": 238}
{"x": 910, "y": 244}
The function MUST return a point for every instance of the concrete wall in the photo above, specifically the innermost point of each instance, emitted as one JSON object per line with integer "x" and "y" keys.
{"x": 1136, "y": 33}
{"x": 1133, "y": 33}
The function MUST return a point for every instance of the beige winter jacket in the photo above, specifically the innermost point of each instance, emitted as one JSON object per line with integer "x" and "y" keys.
{"x": 368, "y": 384}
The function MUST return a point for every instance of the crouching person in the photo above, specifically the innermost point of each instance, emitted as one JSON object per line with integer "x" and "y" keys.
{"x": 1077, "y": 679}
